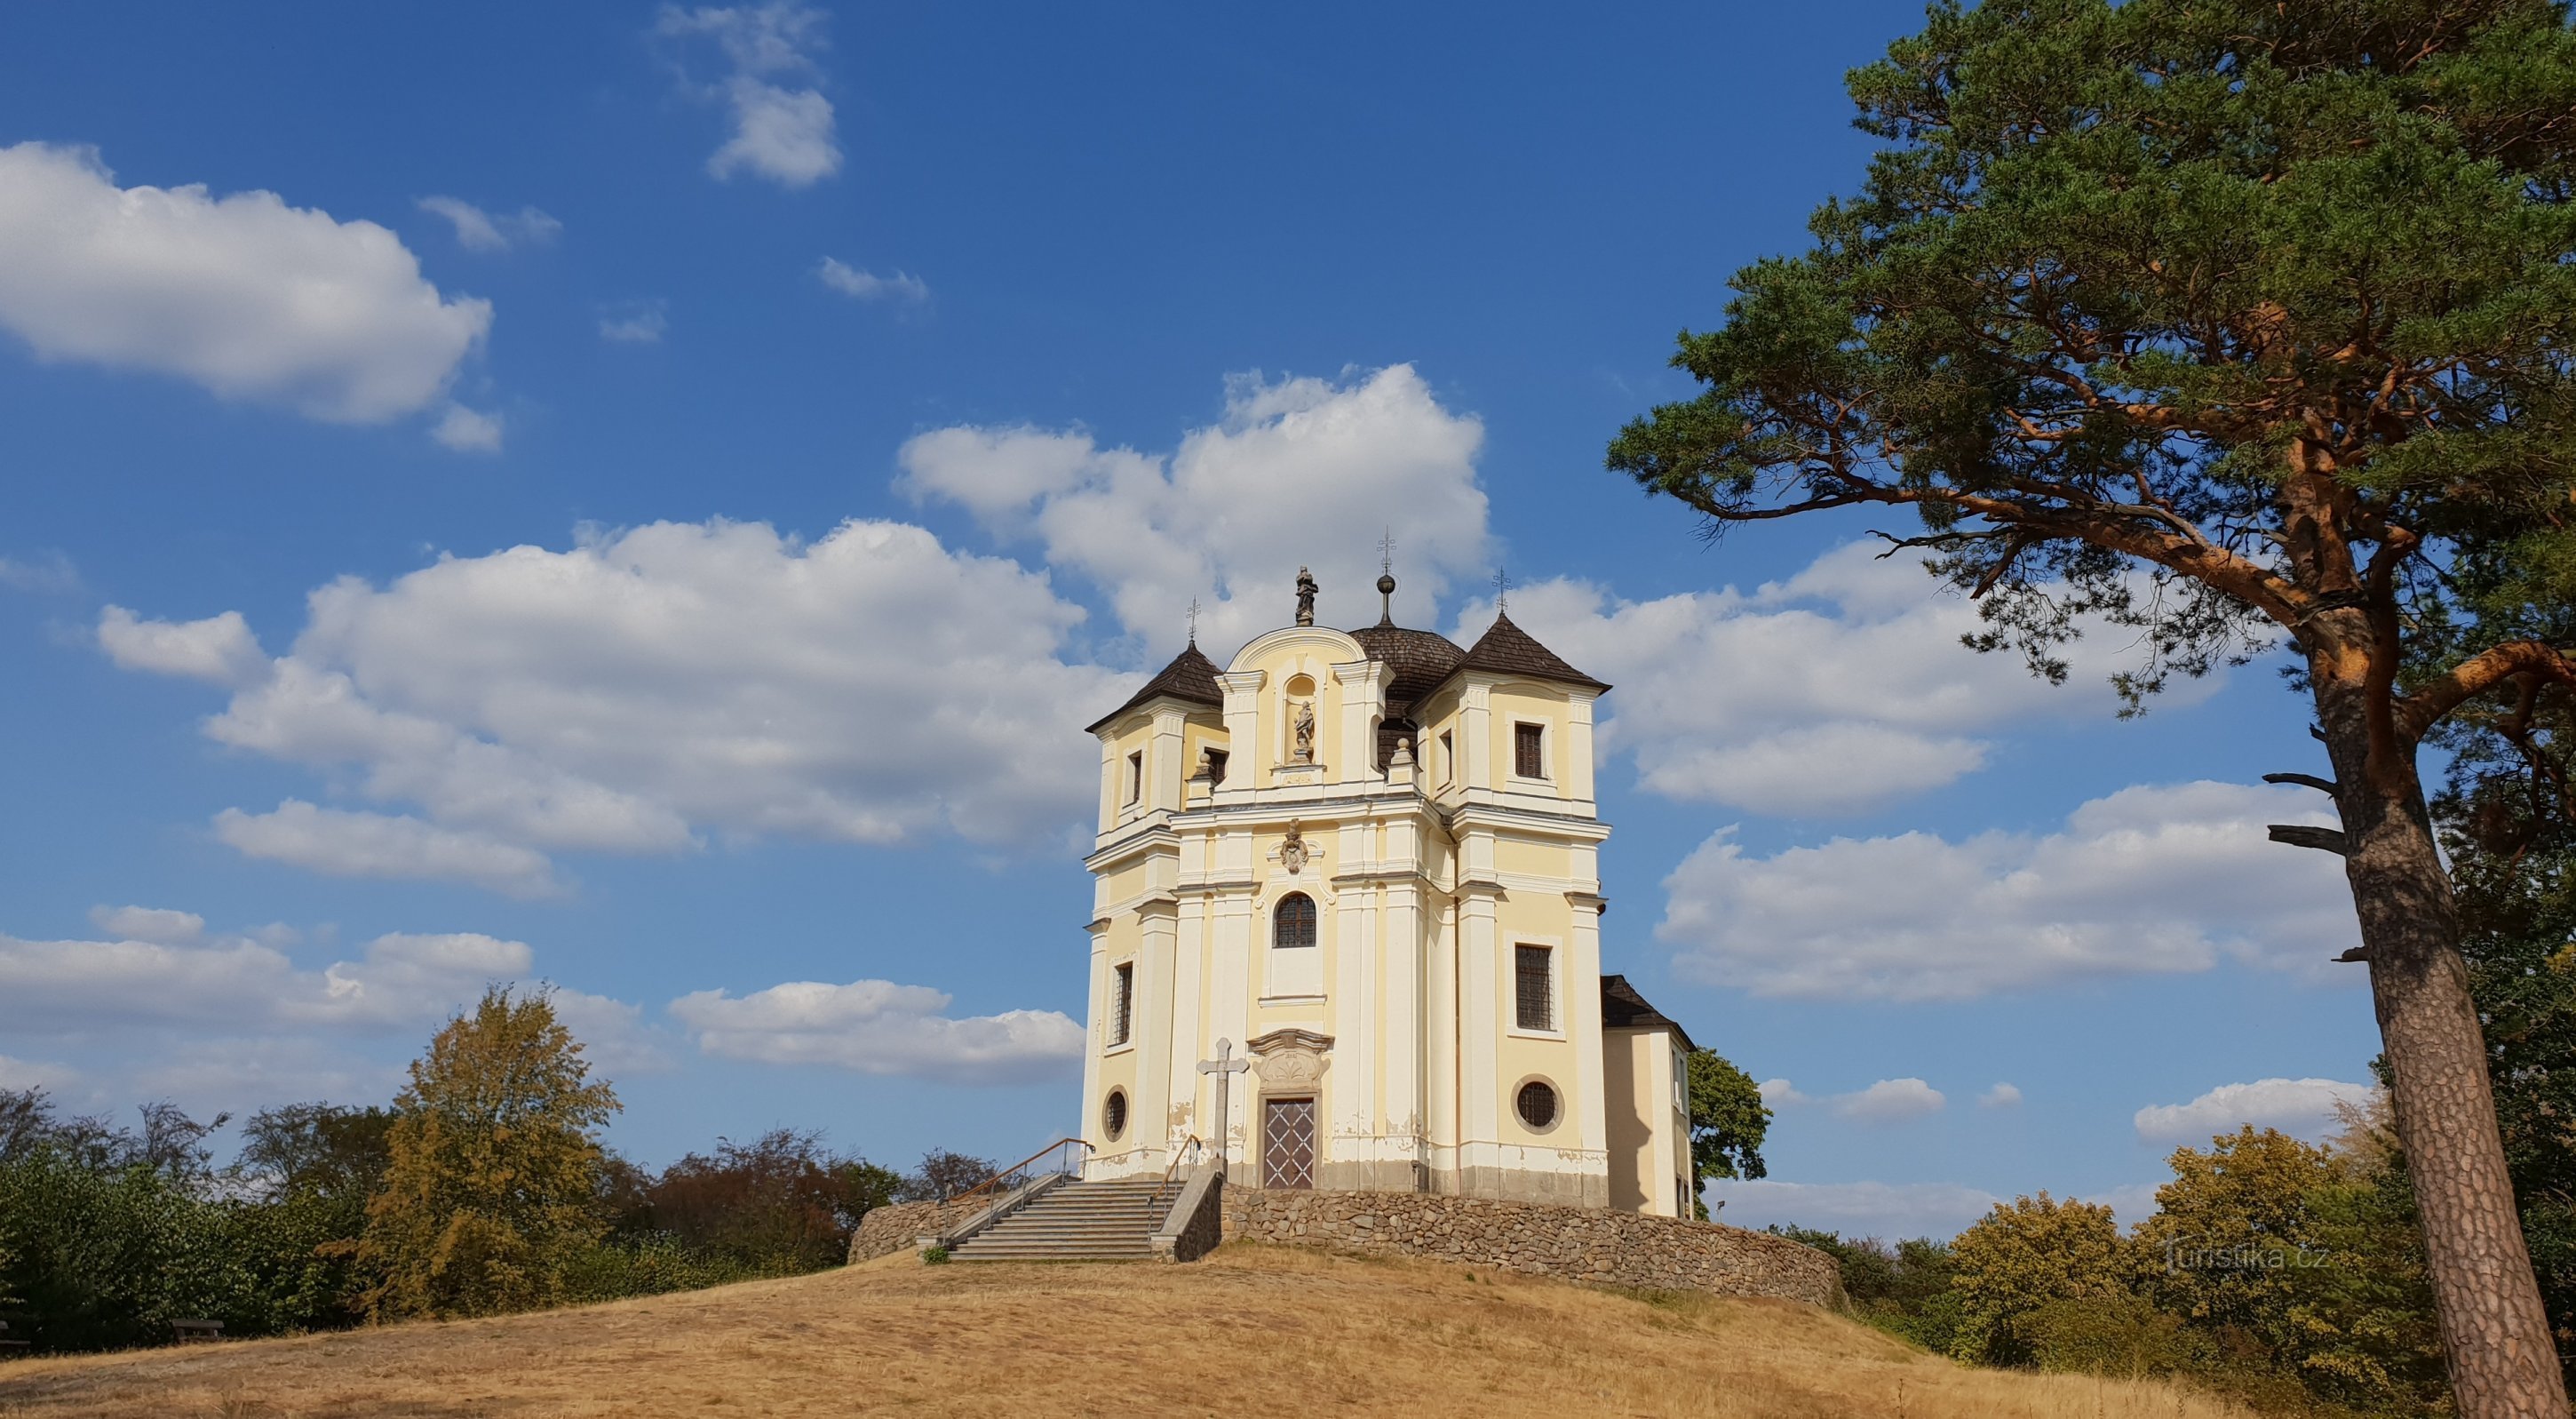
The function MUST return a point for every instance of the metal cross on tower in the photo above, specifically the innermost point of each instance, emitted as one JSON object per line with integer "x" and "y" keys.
{"x": 1221, "y": 1066}
{"x": 1194, "y": 620}
{"x": 1502, "y": 590}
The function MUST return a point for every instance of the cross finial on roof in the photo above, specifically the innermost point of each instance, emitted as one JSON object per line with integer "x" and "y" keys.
{"x": 1386, "y": 551}
{"x": 1502, "y": 590}
{"x": 1194, "y": 620}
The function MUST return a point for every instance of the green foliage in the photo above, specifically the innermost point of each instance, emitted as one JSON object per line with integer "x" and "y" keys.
{"x": 319, "y": 1149}
{"x": 2025, "y": 1256}
{"x": 2123, "y": 1335}
{"x": 2114, "y": 259}
{"x": 938, "y": 1256}
{"x": 778, "y": 1205}
{"x": 1904, "y": 1290}
{"x": 1728, "y": 1119}
{"x": 492, "y": 1181}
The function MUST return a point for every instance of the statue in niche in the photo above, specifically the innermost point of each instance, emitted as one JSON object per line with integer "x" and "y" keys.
{"x": 1293, "y": 852}
{"x": 1303, "y": 722}
{"x": 1306, "y": 590}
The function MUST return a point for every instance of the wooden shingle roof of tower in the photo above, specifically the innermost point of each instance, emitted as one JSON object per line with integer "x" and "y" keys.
{"x": 1623, "y": 1008}
{"x": 1190, "y": 677}
{"x": 1506, "y": 649}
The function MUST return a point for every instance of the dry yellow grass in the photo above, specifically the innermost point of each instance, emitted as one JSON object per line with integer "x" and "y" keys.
{"x": 1248, "y": 1331}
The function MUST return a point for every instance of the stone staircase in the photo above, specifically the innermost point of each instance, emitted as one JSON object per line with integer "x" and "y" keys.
{"x": 1077, "y": 1221}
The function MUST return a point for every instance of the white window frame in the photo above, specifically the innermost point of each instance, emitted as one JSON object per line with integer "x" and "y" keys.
{"x": 1122, "y": 978}
{"x": 1546, "y": 752}
{"x": 1558, "y": 1005}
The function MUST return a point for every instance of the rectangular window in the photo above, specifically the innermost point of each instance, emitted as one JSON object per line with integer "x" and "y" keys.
{"x": 1536, "y": 992}
{"x": 1681, "y": 1197}
{"x": 1216, "y": 767}
{"x": 1122, "y": 1013}
{"x": 1136, "y": 776}
{"x": 1448, "y": 759}
{"x": 1526, "y": 760}
{"x": 1681, "y": 1081}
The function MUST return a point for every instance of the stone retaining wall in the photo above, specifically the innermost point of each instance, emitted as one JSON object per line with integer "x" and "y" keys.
{"x": 1572, "y": 1243}
{"x": 891, "y": 1228}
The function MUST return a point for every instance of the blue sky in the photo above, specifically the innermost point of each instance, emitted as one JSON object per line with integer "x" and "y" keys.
{"x": 649, "y": 498}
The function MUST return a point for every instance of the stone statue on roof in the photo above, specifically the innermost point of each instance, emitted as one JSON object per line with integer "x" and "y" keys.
{"x": 1306, "y": 590}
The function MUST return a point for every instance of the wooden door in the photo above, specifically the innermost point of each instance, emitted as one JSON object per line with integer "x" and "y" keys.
{"x": 1288, "y": 1143}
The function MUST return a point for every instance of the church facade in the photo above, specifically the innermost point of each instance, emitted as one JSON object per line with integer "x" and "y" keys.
{"x": 1347, "y": 928}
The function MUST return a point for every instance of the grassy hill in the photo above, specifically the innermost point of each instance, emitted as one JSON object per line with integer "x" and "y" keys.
{"x": 1250, "y": 1330}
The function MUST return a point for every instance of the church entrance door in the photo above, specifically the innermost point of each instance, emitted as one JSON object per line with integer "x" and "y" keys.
{"x": 1288, "y": 1143}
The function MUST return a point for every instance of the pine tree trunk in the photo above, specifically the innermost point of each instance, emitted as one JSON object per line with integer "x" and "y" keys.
{"x": 2503, "y": 1359}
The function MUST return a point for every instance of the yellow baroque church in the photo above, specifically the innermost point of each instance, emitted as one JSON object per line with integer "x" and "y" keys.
{"x": 1364, "y": 863}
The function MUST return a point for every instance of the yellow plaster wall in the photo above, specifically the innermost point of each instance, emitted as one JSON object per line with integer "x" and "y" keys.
{"x": 1633, "y": 1100}
{"x": 1520, "y": 702}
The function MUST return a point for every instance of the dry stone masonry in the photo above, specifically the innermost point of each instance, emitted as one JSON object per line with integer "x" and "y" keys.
{"x": 892, "y": 1228}
{"x": 1571, "y": 1243}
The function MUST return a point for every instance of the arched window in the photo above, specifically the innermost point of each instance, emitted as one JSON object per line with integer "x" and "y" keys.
{"x": 1292, "y": 922}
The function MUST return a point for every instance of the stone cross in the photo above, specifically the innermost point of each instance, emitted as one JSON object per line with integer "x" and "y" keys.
{"x": 1221, "y": 1066}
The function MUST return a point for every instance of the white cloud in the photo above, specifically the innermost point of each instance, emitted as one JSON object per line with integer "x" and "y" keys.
{"x": 635, "y": 322}
{"x": 879, "y": 1027}
{"x": 148, "y": 924}
{"x": 244, "y": 295}
{"x": 621, "y": 694}
{"x": 782, "y": 124}
{"x": 1299, "y": 471}
{"x": 2304, "y": 1108}
{"x": 867, "y": 285}
{"x": 50, "y": 572}
{"x": 219, "y": 649}
{"x": 35, "y": 1074}
{"x": 1841, "y": 689}
{"x": 234, "y": 1022}
{"x": 1781, "y": 1094}
{"x": 1890, "y": 1101}
{"x": 478, "y": 230}
{"x": 466, "y": 431}
{"x": 1856, "y": 1209}
{"x": 2150, "y": 880}
{"x": 2001, "y": 1096}
{"x": 343, "y": 844}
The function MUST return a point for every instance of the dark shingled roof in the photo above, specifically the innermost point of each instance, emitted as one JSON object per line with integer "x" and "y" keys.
{"x": 1508, "y": 650}
{"x": 1623, "y": 1008}
{"x": 1191, "y": 676}
{"x": 1420, "y": 659}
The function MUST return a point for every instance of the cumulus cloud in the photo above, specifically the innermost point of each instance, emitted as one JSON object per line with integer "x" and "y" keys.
{"x": 1298, "y": 471}
{"x": 2150, "y": 880}
{"x": 2001, "y": 1096}
{"x": 232, "y": 1019}
{"x": 478, "y": 230}
{"x": 219, "y": 649}
{"x": 148, "y": 924}
{"x": 244, "y": 295}
{"x": 782, "y": 123}
{"x": 1890, "y": 1101}
{"x": 867, "y": 285}
{"x": 1781, "y": 1094}
{"x": 343, "y": 844}
{"x": 1841, "y": 689}
{"x": 466, "y": 431}
{"x": 2304, "y": 1108}
{"x": 879, "y": 1027}
{"x": 621, "y": 694}
{"x": 635, "y": 322}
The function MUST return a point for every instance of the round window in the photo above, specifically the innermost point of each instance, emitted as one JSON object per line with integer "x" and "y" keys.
{"x": 1536, "y": 1104}
{"x": 1113, "y": 1113}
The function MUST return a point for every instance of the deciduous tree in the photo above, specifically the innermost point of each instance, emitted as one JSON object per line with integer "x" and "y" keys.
{"x": 492, "y": 1180}
{"x": 2232, "y": 323}
{"x": 1728, "y": 1120}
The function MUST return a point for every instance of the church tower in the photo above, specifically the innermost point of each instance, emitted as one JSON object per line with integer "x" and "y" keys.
{"x": 1365, "y": 861}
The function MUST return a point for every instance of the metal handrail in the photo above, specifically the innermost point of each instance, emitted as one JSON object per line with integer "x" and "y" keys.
{"x": 1193, "y": 1145}
{"x": 1015, "y": 1170}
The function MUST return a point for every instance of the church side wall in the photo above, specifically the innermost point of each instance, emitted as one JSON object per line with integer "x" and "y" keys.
{"x": 1591, "y": 1245}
